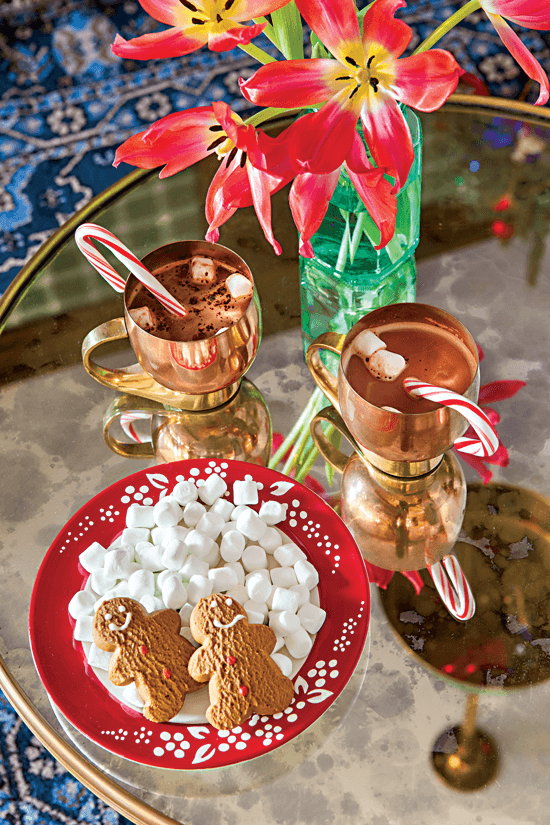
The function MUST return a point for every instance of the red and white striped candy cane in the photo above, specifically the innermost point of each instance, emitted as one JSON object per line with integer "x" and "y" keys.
{"x": 453, "y": 588}
{"x": 487, "y": 442}
{"x": 127, "y": 423}
{"x": 87, "y": 232}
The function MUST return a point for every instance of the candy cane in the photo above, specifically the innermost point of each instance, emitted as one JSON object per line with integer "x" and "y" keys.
{"x": 127, "y": 423}
{"x": 487, "y": 442}
{"x": 87, "y": 232}
{"x": 454, "y": 589}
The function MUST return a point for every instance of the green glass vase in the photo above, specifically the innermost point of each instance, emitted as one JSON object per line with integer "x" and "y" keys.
{"x": 348, "y": 277}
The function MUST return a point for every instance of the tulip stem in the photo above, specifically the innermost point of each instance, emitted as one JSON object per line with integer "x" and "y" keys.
{"x": 312, "y": 406}
{"x": 258, "y": 54}
{"x": 268, "y": 114}
{"x": 447, "y": 25}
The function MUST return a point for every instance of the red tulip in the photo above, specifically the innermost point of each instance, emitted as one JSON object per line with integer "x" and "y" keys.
{"x": 196, "y": 23}
{"x": 365, "y": 81}
{"x": 534, "y": 14}
{"x": 253, "y": 165}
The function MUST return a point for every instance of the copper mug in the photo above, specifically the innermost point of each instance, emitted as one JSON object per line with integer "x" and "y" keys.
{"x": 239, "y": 429}
{"x": 403, "y": 493}
{"x": 188, "y": 375}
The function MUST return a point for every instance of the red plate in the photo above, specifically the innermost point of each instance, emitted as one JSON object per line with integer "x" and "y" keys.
{"x": 73, "y": 686}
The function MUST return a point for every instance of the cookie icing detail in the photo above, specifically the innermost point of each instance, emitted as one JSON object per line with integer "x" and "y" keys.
{"x": 127, "y": 621}
{"x": 225, "y": 626}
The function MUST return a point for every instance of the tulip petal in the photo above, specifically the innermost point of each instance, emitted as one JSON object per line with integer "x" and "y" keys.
{"x": 389, "y": 140}
{"x": 498, "y": 391}
{"x": 290, "y": 83}
{"x": 199, "y": 120}
{"x": 261, "y": 187}
{"x": 533, "y": 14}
{"x": 251, "y": 9}
{"x": 426, "y": 80}
{"x": 335, "y": 24}
{"x": 380, "y": 27}
{"x": 230, "y": 39}
{"x": 320, "y": 142}
{"x": 380, "y": 201}
{"x": 216, "y": 210}
{"x": 308, "y": 199}
{"x": 172, "y": 12}
{"x": 521, "y": 53}
{"x": 477, "y": 464}
{"x": 170, "y": 43}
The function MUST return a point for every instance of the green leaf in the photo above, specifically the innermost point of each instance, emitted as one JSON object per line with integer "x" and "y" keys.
{"x": 287, "y": 26}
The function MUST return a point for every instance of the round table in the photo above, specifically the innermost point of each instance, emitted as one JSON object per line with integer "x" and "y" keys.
{"x": 483, "y": 257}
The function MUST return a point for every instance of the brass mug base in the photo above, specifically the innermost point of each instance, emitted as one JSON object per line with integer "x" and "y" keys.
{"x": 239, "y": 429}
{"x": 472, "y": 765}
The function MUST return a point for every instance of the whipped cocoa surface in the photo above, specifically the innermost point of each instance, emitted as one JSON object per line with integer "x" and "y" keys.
{"x": 202, "y": 290}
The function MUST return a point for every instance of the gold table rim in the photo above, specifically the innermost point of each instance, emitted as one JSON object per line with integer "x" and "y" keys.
{"x": 121, "y": 800}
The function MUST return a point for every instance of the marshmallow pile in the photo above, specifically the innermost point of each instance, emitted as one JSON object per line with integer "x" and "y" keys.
{"x": 195, "y": 542}
{"x": 383, "y": 364}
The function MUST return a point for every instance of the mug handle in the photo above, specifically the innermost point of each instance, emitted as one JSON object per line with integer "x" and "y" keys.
{"x": 132, "y": 379}
{"x": 323, "y": 377}
{"x": 335, "y": 457}
{"x": 121, "y": 407}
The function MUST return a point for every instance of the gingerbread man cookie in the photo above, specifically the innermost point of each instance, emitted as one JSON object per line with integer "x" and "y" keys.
{"x": 148, "y": 649}
{"x": 235, "y": 660}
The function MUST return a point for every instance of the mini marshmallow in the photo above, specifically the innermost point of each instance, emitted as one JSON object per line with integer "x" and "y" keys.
{"x": 223, "y": 578}
{"x": 258, "y": 587}
{"x": 167, "y": 512}
{"x": 283, "y": 663}
{"x": 132, "y": 567}
{"x": 84, "y": 629}
{"x": 239, "y": 571}
{"x": 279, "y": 643}
{"x": 270, "y": 540}
{"x": 303, "y": 593}
{"x": 184, "y": 492}
{"x": 149, "y": 555}
{"x": 199, "y": 587}
{"x": 288, "y": 622}
{"x": 288, "y": 554}
{"x": 261, "y": 572}
{"x": 185, "y": 614}
{"x": 238, "y": 593}
{"x": 213, "y": 488}
{"x": 193, "y": 512}
{"x": 163, "y": 575}
{"x": 299, "y": 644}
{"x": 199, "y": 544}
{"x": 386, "y": 365}
{"x": 133, "y": 535}
{"x": 283, "y": 577}
{"x": 240, "y": 508}
{"x": 223, "y": 507}
{"x": 251, "y": 525}
{"x": 256, "y": 607}
{"x": 175, "y": 553}
{"x": 254, "y": 558}
{"x": 272, "y": 512}
{"x": 120, "y": 589}
{"x": 193, "y": 566}
{"x": 101, "y": 583}
{"x": 161, "y": 535}
{"x": 117, "y": 562}
{"x": 227, "y": 527}
{"x": 366, "y": 344}
{"x": 174, "y": 593}
{"x": 151, "y": 603}
{"x": 143, "y": 317}
{"x": 98, "y": 658}
{"x": 202, "y": 270}
{"x": 140, "y": 515}
{"x": 284, "y": 599}
{"x": 306, "y": 574}
{"x": 232, "y": 545}
{"x": 186, "y": 633}
{"x": 254, "y": 617}
{"x": 210, "y": 524}
{"x": 311, "y": 617}
{"x": 213, "y": 557}
{"x": 82, "y": 603}
{"x": 239, "y": 286}
{"x": 93, "y": 557}
{"x": 245, "y": 492}
{"x": 140, "y": 584}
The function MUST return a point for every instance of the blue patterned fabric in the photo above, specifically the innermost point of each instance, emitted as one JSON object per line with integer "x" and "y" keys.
{"x": 66, "y": 102}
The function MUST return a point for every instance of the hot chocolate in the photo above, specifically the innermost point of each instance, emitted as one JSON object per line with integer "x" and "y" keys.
{"x": 214, "y": 295}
